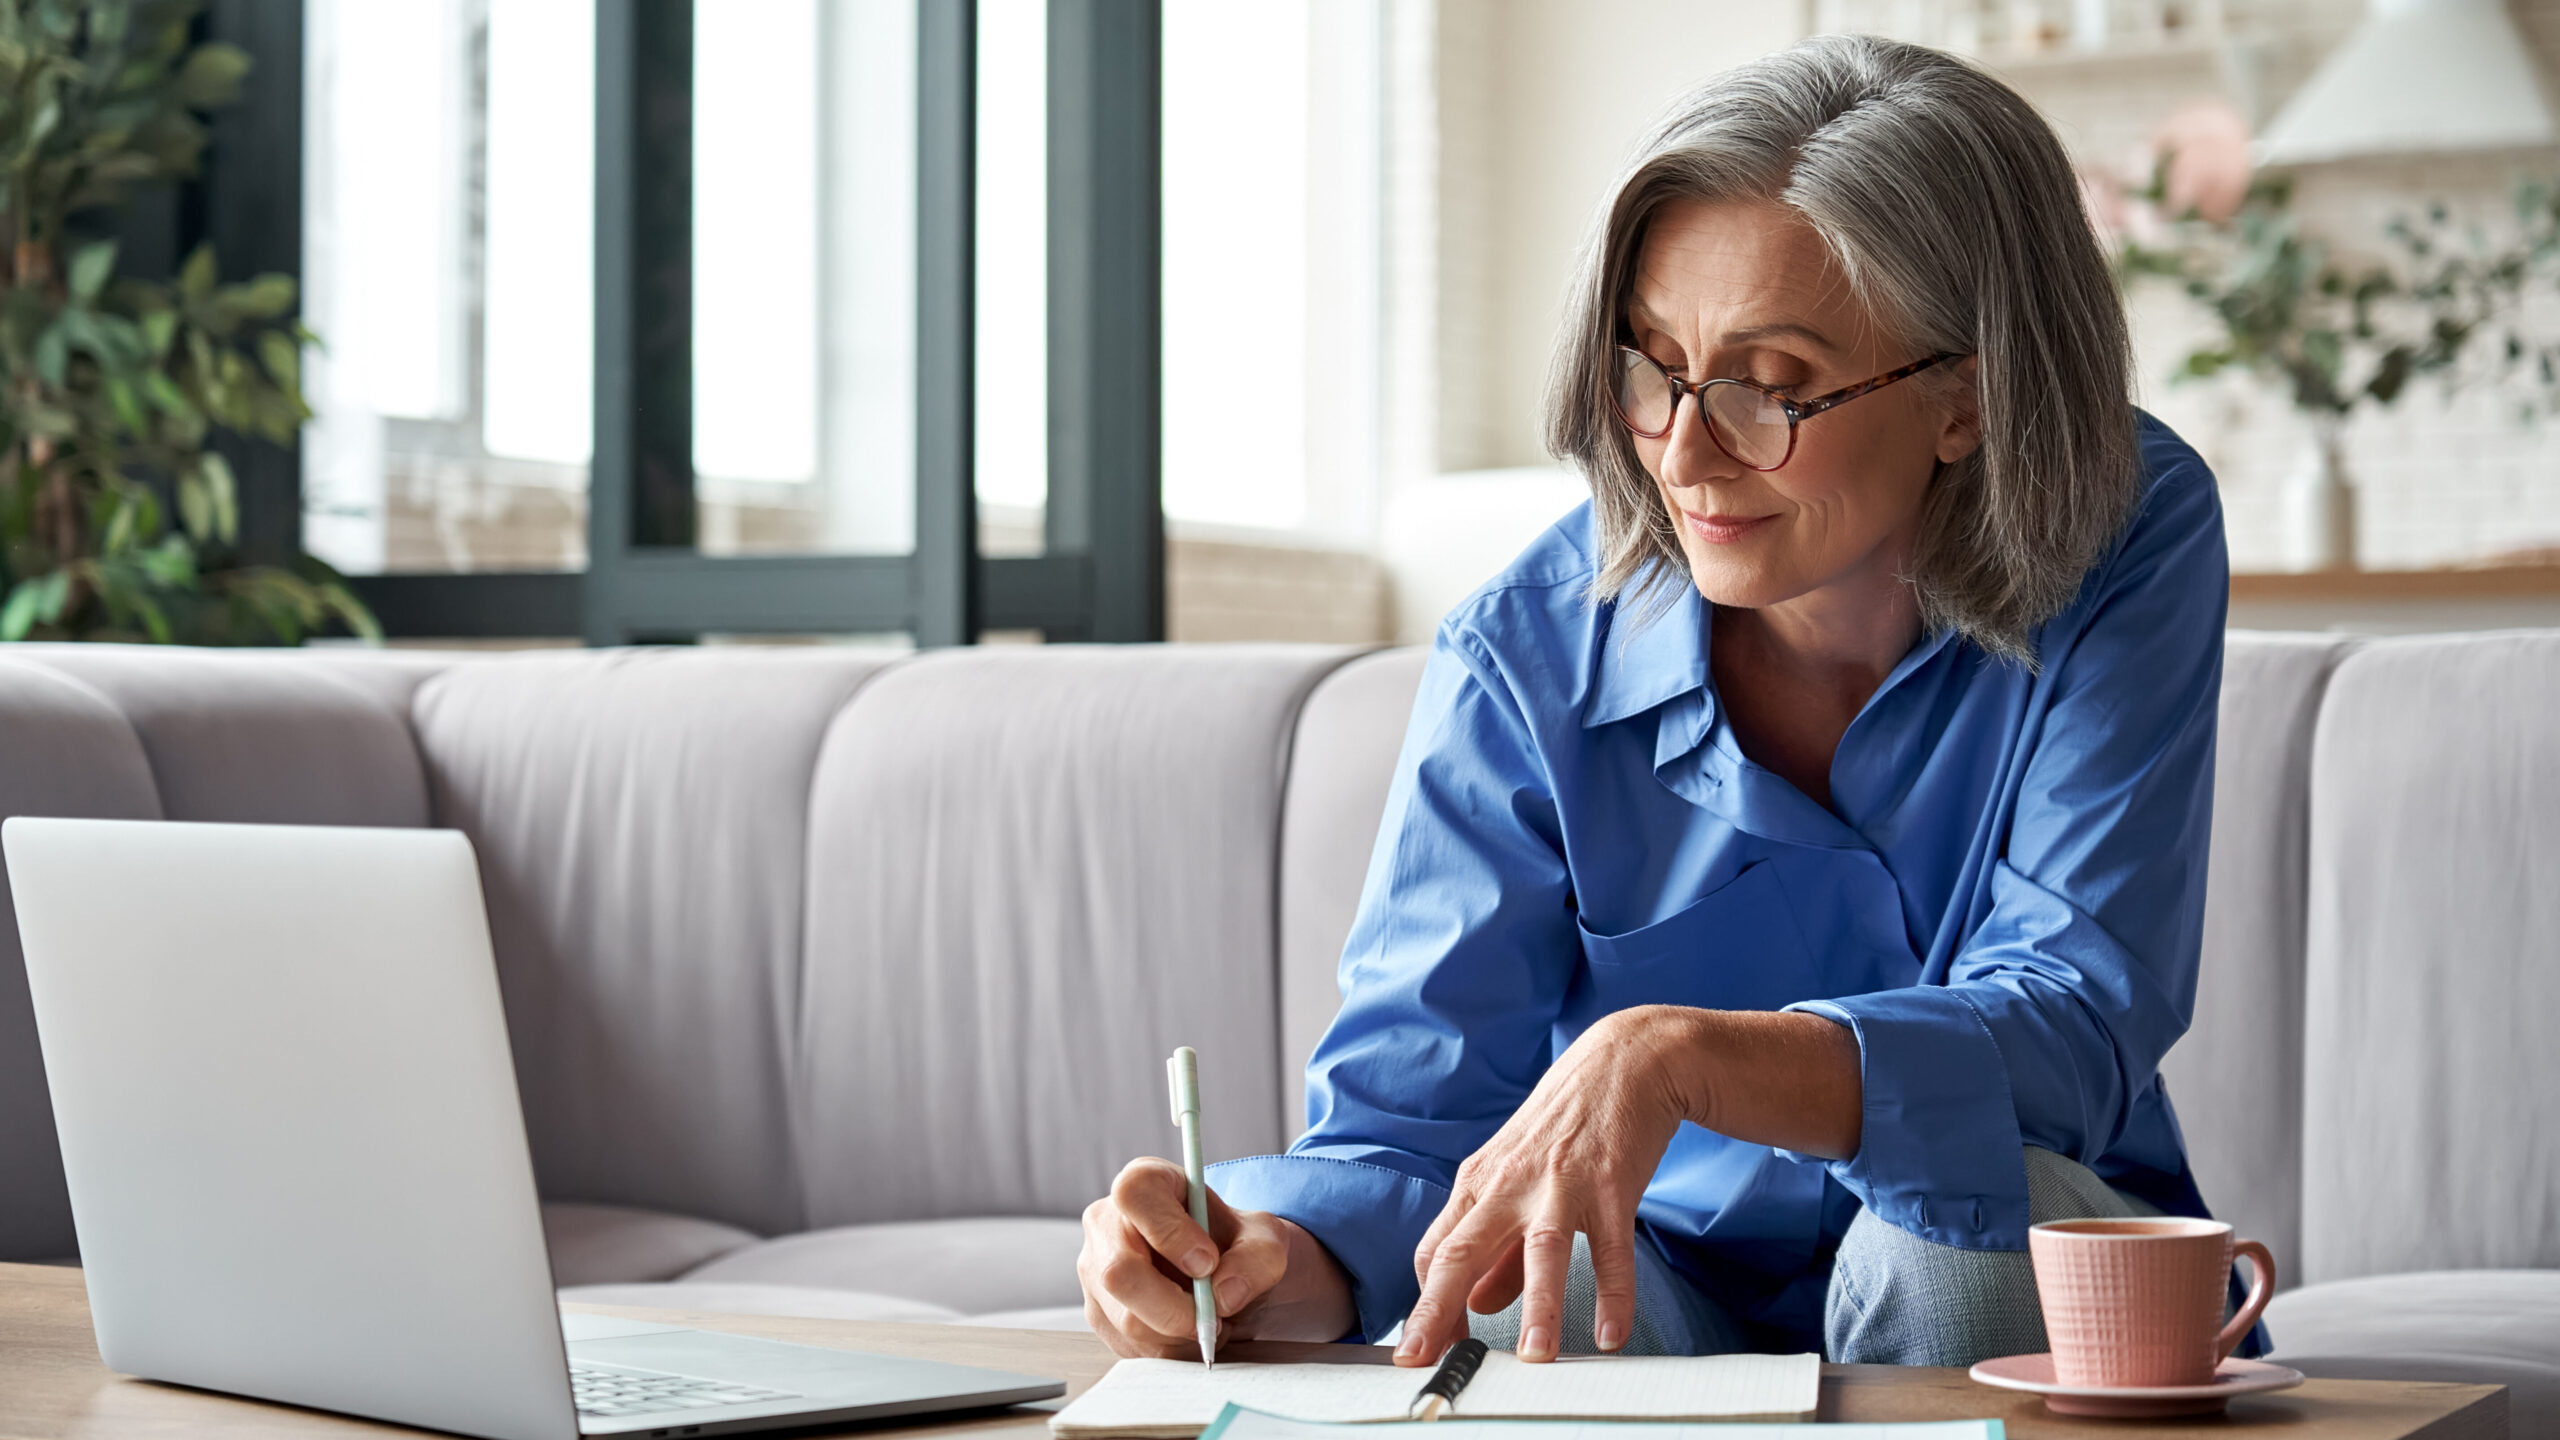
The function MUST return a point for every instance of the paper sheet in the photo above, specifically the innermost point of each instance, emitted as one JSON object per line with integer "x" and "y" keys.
{"x": 1249, "y": 1425}
{"x": 1179, "y": 1397}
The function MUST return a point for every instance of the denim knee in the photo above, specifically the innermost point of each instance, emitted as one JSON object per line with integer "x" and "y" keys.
{"x": 1896, "y": 1299}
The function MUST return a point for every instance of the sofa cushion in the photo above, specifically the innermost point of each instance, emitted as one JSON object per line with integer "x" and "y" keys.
{"x": 1339, "y": 769}
{"x": 2483, "y": 1327}
{"x": 972, "y": 1266}
{"x": 2430, "y": 1079}
{"x": 2236, "y": 1077}
{"x": 64, "y": 750}
{"x": 263, "y": 737}
{"x": 610, "y": 1244}
{"x": 802, "y": 1301}
{"x": 641, "y": 818}
{"x": 1033, "y": 872}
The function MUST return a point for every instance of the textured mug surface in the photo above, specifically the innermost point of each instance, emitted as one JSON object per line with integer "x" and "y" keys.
{"x": 2139, "y": 1302}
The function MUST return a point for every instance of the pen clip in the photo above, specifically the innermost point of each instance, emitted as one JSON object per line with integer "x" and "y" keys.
{"x": 1173, "y": 1086}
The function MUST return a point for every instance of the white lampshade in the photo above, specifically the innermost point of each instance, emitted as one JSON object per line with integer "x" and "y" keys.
{"x": 2416, "y": 76}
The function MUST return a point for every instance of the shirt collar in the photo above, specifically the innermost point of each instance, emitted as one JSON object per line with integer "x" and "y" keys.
{"x": 1649, "y": 652}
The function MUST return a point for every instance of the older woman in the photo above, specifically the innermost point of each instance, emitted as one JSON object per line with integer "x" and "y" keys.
{"x": 1795, "y": 868}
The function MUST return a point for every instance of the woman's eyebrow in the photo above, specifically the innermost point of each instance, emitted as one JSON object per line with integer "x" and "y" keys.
{"x": 1753, "y": 333}
{"x": 1639, "y": 313}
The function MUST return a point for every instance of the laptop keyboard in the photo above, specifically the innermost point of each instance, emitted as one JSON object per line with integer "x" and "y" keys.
{"x": 620, "y": 1390}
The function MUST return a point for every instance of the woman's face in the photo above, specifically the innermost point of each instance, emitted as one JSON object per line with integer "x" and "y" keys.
{"x": 1748, "y": 291}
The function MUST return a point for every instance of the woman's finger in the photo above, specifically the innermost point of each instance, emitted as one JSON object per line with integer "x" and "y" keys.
{"x": 1155, "y": 1199}
{"x": 1129, "y": 1276}
{"x": 1613, "y": 1273}
{"x": 1439, "y": 1317}
{"x": 1499, "y": 1287}
{"x": 1462, "y": 1201}
{"x": 1546, "y": 1257}
{"x": 1252, "y": 1263}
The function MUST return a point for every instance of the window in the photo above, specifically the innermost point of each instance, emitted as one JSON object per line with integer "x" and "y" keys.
{"x": 448, "y": 213}
{"x": 653, "y": 319}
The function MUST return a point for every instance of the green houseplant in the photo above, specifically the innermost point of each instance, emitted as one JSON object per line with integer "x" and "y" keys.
{"x": 2442, "y": 298}
{"x": 117, "y": 519}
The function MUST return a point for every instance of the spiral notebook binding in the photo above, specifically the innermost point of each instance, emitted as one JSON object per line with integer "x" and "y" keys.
{"x": 1441, "y": 1391}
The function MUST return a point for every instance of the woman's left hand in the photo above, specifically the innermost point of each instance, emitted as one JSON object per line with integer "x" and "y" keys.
{"x": 1576, "y": 1156}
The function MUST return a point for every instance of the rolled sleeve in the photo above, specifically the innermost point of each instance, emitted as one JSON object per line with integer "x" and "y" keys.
{"x": 1369, "y": 1216}
{"x": 1939, "y": 1153}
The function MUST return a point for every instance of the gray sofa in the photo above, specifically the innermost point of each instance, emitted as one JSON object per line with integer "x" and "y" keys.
{"x": 841, "y": 981}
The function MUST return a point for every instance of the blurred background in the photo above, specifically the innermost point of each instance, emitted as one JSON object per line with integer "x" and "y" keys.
{"x": 2333, "y": 217}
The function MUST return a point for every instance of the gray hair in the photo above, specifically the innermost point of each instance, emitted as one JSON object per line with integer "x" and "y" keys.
{"x": 1956, "y": 218}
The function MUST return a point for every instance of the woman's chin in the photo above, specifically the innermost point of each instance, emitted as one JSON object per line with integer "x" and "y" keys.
{"x": 1736, "y": 584}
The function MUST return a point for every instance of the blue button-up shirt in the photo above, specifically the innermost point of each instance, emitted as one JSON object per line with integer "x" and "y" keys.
{"x": 2003, "y": 902}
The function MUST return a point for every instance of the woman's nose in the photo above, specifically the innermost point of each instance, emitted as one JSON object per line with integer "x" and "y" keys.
{"x": 1690, "y": 456}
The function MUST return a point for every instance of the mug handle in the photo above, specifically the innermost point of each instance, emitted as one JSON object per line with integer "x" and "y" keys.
{"x": 2262, "y": 1287}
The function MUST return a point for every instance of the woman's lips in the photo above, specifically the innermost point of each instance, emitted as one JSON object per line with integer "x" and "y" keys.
{"x": 1723, "y": 529}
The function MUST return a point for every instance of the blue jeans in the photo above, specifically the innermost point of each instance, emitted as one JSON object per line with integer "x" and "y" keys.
{"x": 1895, "y": 1299}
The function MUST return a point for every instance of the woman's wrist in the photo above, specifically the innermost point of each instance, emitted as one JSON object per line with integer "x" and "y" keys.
{"x": 1312, "y": 1300}
{"x": 1677, "y": 1047}
{"x": 1789, "y": 1080}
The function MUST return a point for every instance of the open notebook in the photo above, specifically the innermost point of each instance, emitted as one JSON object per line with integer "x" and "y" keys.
{"x": 1173, "y": 1399}
{"x": 1238, "y": 1424}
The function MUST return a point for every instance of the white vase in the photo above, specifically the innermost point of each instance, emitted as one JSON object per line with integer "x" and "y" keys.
{"x": 2319, "y": 504}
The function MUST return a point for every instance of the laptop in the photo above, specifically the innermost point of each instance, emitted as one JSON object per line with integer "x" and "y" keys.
{"x": 298, "y": 1165}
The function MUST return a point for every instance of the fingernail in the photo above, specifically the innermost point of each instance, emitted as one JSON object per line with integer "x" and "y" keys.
{"x": 1230, "y": 1294}
{"x": 1612, "y": 1335}
{"x": 1534, "y": 1344}
{"x": 1200, "y": 1262}
{"x": 1410, "y": 1345}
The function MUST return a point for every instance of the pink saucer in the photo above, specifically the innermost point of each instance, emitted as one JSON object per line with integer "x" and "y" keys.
{"x": 2034, "y": 1374}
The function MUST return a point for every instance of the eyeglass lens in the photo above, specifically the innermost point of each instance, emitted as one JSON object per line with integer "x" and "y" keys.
{"x": 1749, "y": 425}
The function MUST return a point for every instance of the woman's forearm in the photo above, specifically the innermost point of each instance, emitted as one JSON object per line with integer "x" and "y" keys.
{"x": 1785, "y": 1079}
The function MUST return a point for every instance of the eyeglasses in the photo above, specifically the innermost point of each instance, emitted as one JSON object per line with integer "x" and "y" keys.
{"x": 1748, "y": 421}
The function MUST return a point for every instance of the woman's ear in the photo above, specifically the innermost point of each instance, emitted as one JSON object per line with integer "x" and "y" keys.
{"x": 1960, "y": 431}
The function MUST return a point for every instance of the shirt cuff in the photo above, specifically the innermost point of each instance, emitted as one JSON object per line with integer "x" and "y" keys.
{"x": 1939, "y": 1153}
{"x": 1369, "y": 1216}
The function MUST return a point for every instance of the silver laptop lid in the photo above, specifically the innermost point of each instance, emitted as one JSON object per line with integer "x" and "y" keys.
{"x": 232, "y": 1017}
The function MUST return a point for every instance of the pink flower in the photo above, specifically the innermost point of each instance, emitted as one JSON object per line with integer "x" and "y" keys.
{"x": 2207, "y": 142}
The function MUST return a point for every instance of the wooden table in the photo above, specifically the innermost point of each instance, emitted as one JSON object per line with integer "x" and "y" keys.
{"x": 51, "y": 1384}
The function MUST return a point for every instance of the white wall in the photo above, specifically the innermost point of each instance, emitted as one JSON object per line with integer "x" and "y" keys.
{"x": 1541, "y": 102}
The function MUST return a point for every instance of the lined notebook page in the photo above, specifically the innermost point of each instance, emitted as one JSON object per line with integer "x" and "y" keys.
{"x": 1181, "y": 1397}
{"x": 1246, "y": 1425}
{"x": 1159, "y": 1398}
{"x": 1641, "y": 1387}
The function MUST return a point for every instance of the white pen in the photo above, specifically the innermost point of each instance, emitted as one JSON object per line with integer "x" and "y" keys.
{"x": 1182, "y": 1072}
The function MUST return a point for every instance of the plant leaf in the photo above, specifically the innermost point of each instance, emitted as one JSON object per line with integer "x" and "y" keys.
{"x": 283, "y": 361}
{"x": 224, "y": 489}
{"x": 19, "y": 615}
{"x": 195, "y": 278}
{"x": 263, "y": 298}
{"x": 91, "y": 265}
{"x": 212, "y": 75}
{"x": 195, "y": 506}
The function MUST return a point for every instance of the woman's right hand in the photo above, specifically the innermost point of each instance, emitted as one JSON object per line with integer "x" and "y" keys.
{"x": 1273, "y": 1280}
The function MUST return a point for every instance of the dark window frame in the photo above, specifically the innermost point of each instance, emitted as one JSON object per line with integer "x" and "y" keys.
{"x": 1102, "y": 575}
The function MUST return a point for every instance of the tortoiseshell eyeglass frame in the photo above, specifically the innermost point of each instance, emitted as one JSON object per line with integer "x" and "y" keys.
{"x": 1796, "y": 411}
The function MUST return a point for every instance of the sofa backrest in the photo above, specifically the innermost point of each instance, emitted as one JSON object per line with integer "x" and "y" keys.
{"x": 64, "y": 750}
{"x": 1348, "y": 740}
{"x": 2432, "y": 1078}
{"x": 2236, "y": 1077}
{"x": 1033, "y": 873}
{"x": 641, "y": 818}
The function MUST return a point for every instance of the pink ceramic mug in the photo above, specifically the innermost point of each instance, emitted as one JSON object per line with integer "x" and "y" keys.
{"x": 2139, "y": 1302}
